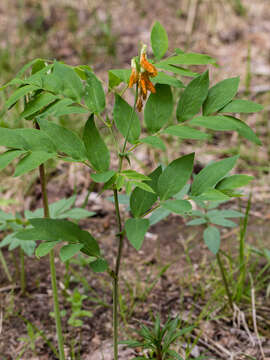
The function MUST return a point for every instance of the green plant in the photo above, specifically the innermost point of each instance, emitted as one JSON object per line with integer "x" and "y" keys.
{"x": 76, "y": 300}
{"x": 33, "y": 334}
{"x": 159, "y": 340}
{"x": 211, "y": 217}
{"x": 29, "y": 341}
{"x": 13, "y": 224}
{"x": 54, "y": 89}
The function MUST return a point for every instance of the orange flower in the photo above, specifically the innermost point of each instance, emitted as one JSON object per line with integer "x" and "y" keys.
{"x": 134, "y": 74}
{"x": 152, "y": 71}
{"x": 143, "y": 83}
{"x": 142, "y": 77}
{"x": 149, "y": 85}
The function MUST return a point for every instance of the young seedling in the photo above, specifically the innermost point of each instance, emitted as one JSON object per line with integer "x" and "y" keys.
{"x": 55, "y": 89}
{"x": 76, "y": 300}
{"x": 158, "y": 341}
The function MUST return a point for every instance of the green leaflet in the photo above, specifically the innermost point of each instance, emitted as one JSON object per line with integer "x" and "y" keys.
{"x": 242, "y": 106}
{"x": 142, "y": 200}
{"x": 220, "y": 94}
{"x": 154, "y": 141}
{"x": 226, "y": 123}
{"x": 193, "y": 97}
{"x": 103, "y": 177}
{"x": 81, "y": 70}
{"x": 68, "y": 251}
{"x": 94, "y": 94}
{"x": 175, "y": 176}
{"x": 136, "y": 230}
{"x": 45, "y": 247}
{"x": 28, "y": 65}
{"x": 31, "y": 161}
{"x": 177, "y": 206}
{"x": 38, "y": 103}
{"x": 7, "y": 157}
{"x": 158, "y": 108}
{"x": 185, "y": 132}
{"x": 72, "y": 85}
{"x": 53, "y": 83}
{"x": 96, "y": 149}
{"x": 163, "y": 78}
{"x": 211, "y": 236}
{"x": 37, "y": 78}
{"x": 76, "y": 214}
{"x": 99, "y": 265}
{"x": 123, "y": 114}
{"x": 116, "y": 76}
{"x": 134, "y": 175}
{"x": 64, "y": 140}
{"x": 175, "y": 69}
{"x": 36, "y": 140}
{"x": 56, "y": 229}
{"x": 209, "y": 176}
{"x": 91, "y": 247}
{"x": 189, "y": 59}
{"x": 159, "y": 40}
{"x": 234, "y": 182}
{"x": 17, "y": 94}
{"x": 213, "y": 195}
{"x": 63, "y": 107}
{"x": 221, "y": 221}
{"x": 11, "y": 139}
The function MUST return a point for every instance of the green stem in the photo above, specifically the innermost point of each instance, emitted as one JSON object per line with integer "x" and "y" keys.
{"x": 91, "y": 188}
{"x": 52, "y": 265}
{"x": 222, "y": 270}
{"x": 151, "y": 210}
{"x": 159, "y": 354}
{"x": 109, "y": 127}
{"x": 5, "y": 267}
{"x": 40, "y": 332}
{"x": 129, "y": 127}
{"x": 22, "y": 272}
{"x": 242, "y": 254}
{"x": 116, "y": 275}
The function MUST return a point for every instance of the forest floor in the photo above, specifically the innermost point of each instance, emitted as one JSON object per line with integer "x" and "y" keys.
{"x": 174, "y": 273}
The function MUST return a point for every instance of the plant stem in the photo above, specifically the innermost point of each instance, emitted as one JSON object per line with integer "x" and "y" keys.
{"x": 128, "y": 131}
{"x": 90, "y": 189}
{"x": 40, "y": 332}
{"x": 222, "y": 270}
{"x": 5, "y": 267}
{"x": 52, "y": 265}
{"x": 242, "y": 254}
{"x": 22, "y": 272}
{"x": 159, "y": 354}
{"x": 120, "y": 234}
{"x": 116, "y": 275}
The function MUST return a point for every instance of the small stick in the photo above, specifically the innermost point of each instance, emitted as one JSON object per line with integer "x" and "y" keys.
{"x": 9, "y": 287}
{"x": 191, "y": 17}
{"x": 5, "y": 267}
{"x": 254, "y": 317}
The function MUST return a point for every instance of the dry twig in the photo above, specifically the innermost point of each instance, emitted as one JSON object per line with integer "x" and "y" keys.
{"x": 254, "y": 317}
